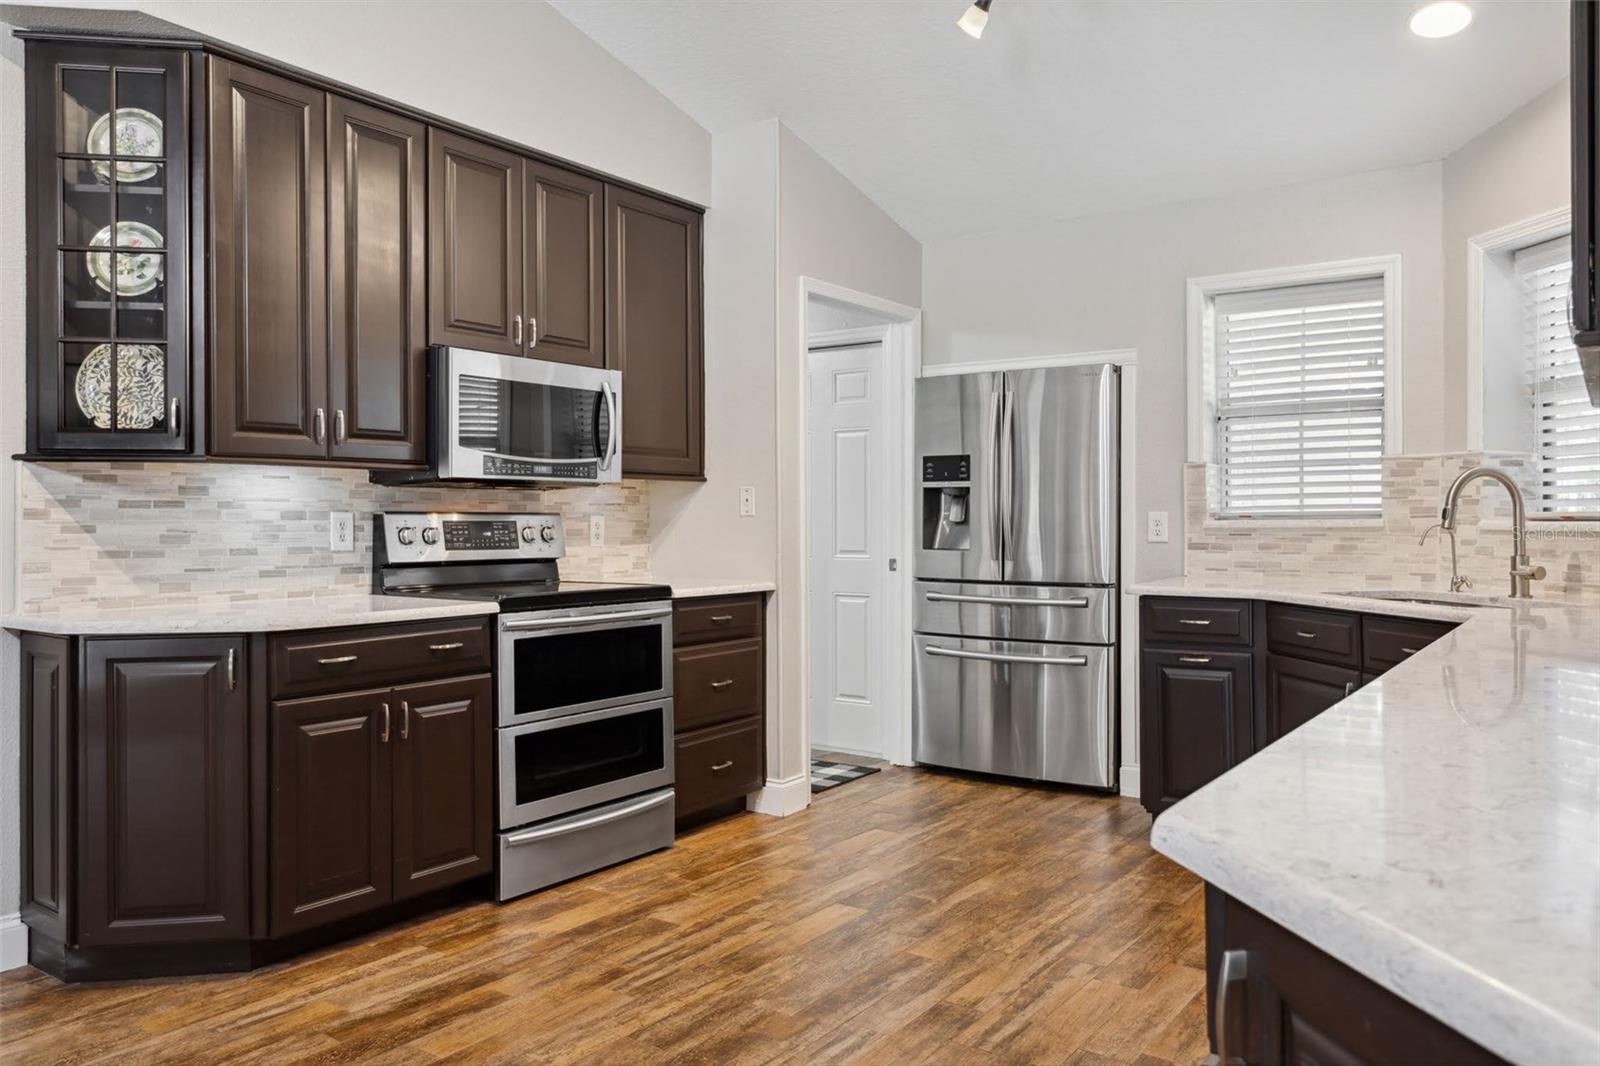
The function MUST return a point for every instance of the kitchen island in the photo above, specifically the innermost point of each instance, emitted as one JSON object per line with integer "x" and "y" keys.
{"x": 1437, "y": 831}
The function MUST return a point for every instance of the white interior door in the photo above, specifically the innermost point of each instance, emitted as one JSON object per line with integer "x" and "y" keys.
{"x": 848, "y": 516}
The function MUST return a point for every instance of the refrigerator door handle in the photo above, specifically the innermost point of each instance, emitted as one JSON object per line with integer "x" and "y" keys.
{"x": 995, "y": 530}
{"x": 1007, "y": 601}
{"x": 1007, "y": 471}
{"x": 997, "y": 657}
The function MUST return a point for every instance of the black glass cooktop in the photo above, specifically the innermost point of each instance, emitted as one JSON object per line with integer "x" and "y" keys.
{"x": 540, "y": 595}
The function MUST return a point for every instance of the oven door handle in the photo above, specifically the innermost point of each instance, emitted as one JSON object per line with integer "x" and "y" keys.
{"x": 515, "y": 624}
{"x": 620, "y": 813}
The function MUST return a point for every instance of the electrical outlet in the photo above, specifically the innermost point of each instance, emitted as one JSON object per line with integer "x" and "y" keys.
{"x": 1157, "y": 533}
{"x": 341, "y": 531}
{"x": 597, "y": 530}
{"x": 747, "y": 501}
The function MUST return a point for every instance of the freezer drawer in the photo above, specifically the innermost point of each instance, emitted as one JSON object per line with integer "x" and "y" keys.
{"x": 561, "y": 848}
{"x": 1071, "y": 614}
{"x": 1039, "y": 711}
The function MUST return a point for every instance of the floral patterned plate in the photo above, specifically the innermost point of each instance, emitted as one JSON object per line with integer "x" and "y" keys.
{"x": 138, "y": 133}
{"x": 141, "y": 386}
{"x": 137, "y": 272}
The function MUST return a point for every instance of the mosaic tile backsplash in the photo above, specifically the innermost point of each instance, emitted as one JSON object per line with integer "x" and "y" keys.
{"x": 121, "y": 534}
{"x": 1387, "y": 551}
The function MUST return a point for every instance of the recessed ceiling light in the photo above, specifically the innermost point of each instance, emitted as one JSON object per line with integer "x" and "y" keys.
{"x": 975, "y": 18}
{"x": 1444, "y": 19}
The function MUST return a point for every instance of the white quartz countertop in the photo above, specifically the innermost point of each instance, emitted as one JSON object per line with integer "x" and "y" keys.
{"x": 698, "y": 589}
{"x": 241, "y": 616}
{"x": 1439, "y": 829}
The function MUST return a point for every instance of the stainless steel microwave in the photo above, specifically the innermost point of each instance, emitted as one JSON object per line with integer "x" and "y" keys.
{"x": 509, "y": 418}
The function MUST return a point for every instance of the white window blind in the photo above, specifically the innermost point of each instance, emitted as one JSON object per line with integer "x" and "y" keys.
{"x": 1299, "y": 399}
{"x": 1566, "y": 429}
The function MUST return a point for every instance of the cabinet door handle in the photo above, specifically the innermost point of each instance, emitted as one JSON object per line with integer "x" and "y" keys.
{"x": 1410, "y": 651}
{"x": 721, "y": 766}
{"x": 1199, "y": 660}
{"x": 174, "y": 419}
{"x": 405, "y": 719}
{"x": 1303, "y": 635}
{"x": 1194, "y": 621}
{"x": 1349, "y": 687}
{"x": 320, "y": 425}
{"x": 338, "y": 426}
{"x": 1233, "y": 971}
{"x": 452, "y": 646}
{"x": 720, "y": 685}
{"x": 533, "y": 332}
{"x": 233, "y": 669}
{"x": 335, "y": 660}
{"x": 721, "y": 619}
{"x": 383, "y": 738}
{"x": 516, "y": 330}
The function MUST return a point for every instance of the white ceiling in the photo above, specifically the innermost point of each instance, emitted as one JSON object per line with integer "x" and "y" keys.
{"x": 1079, "y": 107}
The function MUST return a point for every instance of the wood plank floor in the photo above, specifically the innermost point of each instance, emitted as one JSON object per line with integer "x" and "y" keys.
{"x": 907, "y": 917}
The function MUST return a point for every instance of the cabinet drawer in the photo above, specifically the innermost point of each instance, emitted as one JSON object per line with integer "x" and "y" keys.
{"x": 1197, "y": 621}
{"x": 716, "y": 682}
{"x": 722, "y": 618}
{"x": 1387, "y": 642}
{"x": 718, "y": 764}
{"x": 336, "y": 660}
{"x": 1312, "y": 634}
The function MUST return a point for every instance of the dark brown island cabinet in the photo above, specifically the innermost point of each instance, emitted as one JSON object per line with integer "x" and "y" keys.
{"x": 719, "y": 704}
{"x": 238, "y": 261}
{"x": 196, "y": 804}
{"x": 1221, "y": 679}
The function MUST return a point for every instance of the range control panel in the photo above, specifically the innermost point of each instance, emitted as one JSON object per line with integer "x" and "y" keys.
{"x": 428, "y": 537}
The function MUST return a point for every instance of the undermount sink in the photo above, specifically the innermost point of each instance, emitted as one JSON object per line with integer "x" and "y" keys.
{"x": 1435, "y": 599}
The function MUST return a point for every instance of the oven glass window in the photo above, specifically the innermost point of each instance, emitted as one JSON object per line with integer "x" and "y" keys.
{"x": 531, "y": 421}
{"x": 553, "y": 762}
{"x": 566, "y": 669}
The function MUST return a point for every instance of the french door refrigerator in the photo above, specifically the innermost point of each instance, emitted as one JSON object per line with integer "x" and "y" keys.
{"x": 1016, "y": 574}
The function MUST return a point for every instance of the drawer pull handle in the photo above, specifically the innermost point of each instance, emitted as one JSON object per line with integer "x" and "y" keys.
{"x": 452, "y": 646}
{"x": 1410, "y": 651}
{"x": 335, "y": 660}
{"x": 721, "y": 766}
{"x": 1194, "y": 621}
{"x": 721, "y": 619}
{"x": 1303, "y": 635}
{"x": 1199, "y": 660}
{"x": 720, "y": 685}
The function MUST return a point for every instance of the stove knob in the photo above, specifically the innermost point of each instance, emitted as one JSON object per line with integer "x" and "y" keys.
{"x": 547, "y": 534}
{"x": 405, "y": 535}
{"x": 430, "y": 535}
{"x": 528, "y": 534}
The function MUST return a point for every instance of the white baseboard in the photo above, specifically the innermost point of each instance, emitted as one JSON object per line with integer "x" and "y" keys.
{"x": 782, "y": 798}
{"x": 13, "y": 942}
{"x": 1130, "y": 780}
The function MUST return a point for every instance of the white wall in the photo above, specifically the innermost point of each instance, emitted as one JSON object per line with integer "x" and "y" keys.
{"x": 1117, "y": 281}
{"x": 1516, "y": 170}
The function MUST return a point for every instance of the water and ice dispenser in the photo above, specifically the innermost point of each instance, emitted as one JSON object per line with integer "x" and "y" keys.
{"x": 946, "y": 493}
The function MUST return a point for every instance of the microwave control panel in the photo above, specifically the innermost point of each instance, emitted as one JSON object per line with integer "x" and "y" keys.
{"x": 503, "y": 467}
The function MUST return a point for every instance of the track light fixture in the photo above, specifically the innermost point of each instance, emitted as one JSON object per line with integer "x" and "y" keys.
{"x": 975, "y": 18}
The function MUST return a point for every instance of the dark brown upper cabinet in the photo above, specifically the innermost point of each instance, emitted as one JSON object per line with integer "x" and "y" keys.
{"x": 654, "y": 332}
{"x": 269, "y": 344}
{"x": 564, "y": 265}
{"x": 164, "y": 806}
{"x": 475, "y": 290}
{"x": 109, "y": 368}
{"x": 376, "y": 273}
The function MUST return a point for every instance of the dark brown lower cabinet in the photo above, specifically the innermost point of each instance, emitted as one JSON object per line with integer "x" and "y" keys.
{"x": 1298, "y": 690}
{"x": 719, "y": 704}
{"x": 444, "y": 813}
{"x": 1200, "y": 722}
{"x": 48, "y": 757}
{"x": 1277, "y": 999}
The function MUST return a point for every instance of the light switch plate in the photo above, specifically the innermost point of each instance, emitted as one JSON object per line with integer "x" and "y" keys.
{"x": 747, "y": 501}
{"x": 1157, "y": 532}
{"x": 341, "y": 531}
{"x": 597, "y": 530}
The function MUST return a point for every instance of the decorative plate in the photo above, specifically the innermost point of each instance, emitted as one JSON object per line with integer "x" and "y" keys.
{"x": 137, "y": 272}
{"x": 138, "y": 133}
{"x": 141, "y": 386}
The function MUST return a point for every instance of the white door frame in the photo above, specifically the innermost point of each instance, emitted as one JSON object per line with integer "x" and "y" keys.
{"x": 902, "y": 352}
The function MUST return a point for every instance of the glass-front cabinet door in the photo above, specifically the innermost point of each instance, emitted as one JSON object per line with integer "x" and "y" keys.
{"x": 108, "y": 145}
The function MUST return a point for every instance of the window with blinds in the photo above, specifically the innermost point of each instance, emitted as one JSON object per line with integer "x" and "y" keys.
{"x": 1300, "y": 399}
{"x": 1566, "y": 429}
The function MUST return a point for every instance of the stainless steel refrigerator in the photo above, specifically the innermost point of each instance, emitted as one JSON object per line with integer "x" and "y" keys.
{"x": 1016, "y": 574}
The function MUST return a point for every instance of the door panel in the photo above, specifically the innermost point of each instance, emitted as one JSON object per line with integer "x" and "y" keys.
{"x": 1195, "y": 722}
{"x": 443, "y": 784}
{"x": 269, "y": 356}
{"x": 849, "y": 548}
{"x": 474, "y": 245}
{"x": 49, "y": 755}
{"x": 330, "y": 808}
{"x": 1298, "y": 691}
{"x": 165, "y": 827}
{"x": 564, "y": 250}
{"x": 1060, "y": 444}
{"x": 960, "y": 416}
{"x": 376, "y": 264}
{"x": 653, "y": 301}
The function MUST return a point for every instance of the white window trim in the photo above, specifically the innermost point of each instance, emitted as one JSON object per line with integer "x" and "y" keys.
{"x": 1200, "y": 361}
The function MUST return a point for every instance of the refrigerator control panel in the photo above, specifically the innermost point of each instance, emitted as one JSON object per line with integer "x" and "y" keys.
{"x": 944, "y": 468}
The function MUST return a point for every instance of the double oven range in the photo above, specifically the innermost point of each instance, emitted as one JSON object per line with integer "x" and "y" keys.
{"x": 583, "y": 689}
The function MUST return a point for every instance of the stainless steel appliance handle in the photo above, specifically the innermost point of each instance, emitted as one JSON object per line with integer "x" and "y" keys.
{"x": 1007, "y": 472}
{"x": 588, "y": 823}
{"x": 1234, "y": 970}
{"x": 611, "y": 425}
{"x": 1004, "y": 601}
{"x": 994, "y": 470}
{"x": 995, "y": 657}
{"x": 584, "y": 619}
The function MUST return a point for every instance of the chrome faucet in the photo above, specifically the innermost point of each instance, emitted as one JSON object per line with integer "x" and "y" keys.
{"x": 1458, "y": 581}
{"x": 1522, "y": 573}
